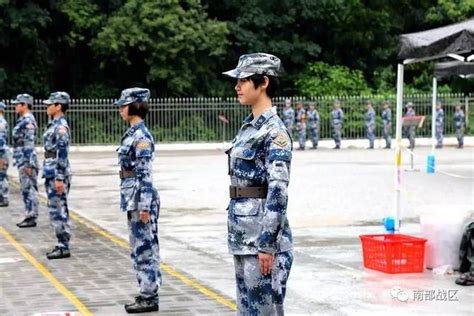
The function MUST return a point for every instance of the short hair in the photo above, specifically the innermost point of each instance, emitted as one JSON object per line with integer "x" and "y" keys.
{"x": 64, "y": 107}
{"x": 273, "y": 83}
{"x": 30, "y": 106}
{"x": 139, "y": 108}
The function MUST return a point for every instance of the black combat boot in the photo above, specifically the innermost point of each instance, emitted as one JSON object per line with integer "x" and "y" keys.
{"x": 27, "y": 222}
{"x": 58, "y": 253}
{"x": 142, "y": 305}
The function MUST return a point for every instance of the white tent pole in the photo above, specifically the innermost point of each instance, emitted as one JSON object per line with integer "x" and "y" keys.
{"x": 398, "y": 150}
{"x": 433, "y": 115}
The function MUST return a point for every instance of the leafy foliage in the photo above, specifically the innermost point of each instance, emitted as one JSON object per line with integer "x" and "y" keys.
{"x": 323, "y": 79}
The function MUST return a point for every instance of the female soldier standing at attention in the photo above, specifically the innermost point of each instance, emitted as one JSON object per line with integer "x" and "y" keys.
{"x": 57, "y": 171}
{"x": 259, "y": 235}
{"x": 4, "y": 151}
{"x": 139, "y": 198}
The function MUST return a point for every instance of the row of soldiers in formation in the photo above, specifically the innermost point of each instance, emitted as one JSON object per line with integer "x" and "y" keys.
{"x": 56, "y": 169}
{"x": 311, "y": 116}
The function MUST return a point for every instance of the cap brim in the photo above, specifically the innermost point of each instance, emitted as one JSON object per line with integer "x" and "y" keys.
{"x": 47, "y": 101}
{"x": 121, "y": 102}
{"x": 234, "y": 73}
{"x": 15, "y": 102}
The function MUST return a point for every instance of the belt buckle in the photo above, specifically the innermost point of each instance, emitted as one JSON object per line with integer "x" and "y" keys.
{"x": 233, "y": 191}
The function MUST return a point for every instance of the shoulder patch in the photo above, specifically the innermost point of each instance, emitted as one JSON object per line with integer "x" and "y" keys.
{"x": 62, "y": 130}
{"x": 281, "y": 140}
{"x": 30, "y": 126}
{"x": 143, "y": 144}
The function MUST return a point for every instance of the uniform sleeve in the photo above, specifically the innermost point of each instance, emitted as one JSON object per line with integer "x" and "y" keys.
{"x": 29, "y": 145}
{"x": 3, "y": 139}
{"x": 144, "y": 172}
{"x": 278, "y": 160}
{"x": 63, "y": 145}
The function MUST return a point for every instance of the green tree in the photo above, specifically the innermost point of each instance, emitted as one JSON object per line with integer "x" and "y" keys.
{"x": 322, "y": 79}
{"x": 170, "y": 44}
{"x": 24, "y": 54}
{"x": 449, "y": 11}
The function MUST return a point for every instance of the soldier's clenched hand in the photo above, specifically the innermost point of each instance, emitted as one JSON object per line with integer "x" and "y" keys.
{"x": 27, "y": 171}
{"x": 59, "y": 186}
{"x": 265, "y": 261}
{"x": 144, "y": 217}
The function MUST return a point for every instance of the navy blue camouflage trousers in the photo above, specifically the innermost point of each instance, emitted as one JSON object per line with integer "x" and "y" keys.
{"x": 29, "y": 191}
{"x": 258, "y": 294}
{"x": 4, "y": 191}
{"x": 59, "y": 212}
{"x": 145, "y": 251}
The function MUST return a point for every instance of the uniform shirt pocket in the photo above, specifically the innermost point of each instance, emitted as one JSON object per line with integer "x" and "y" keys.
{"x": 244, "y": 163}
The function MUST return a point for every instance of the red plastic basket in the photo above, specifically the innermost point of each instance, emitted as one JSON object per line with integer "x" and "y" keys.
{"x": 393, "y": 253}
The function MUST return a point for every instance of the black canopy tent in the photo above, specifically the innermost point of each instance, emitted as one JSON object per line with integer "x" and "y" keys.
{"x": 452, "y": 41}
{"x": 453, "y": 68}
{"x": 437, "y": 43}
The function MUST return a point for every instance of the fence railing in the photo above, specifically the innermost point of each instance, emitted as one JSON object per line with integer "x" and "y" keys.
{"x": 97, "y": 121}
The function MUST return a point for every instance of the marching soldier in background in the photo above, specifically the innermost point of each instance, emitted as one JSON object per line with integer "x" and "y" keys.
{"x": 439, "y": 125}
{"x": 337, "y": 121}
{"x": 301, "y": 125}
{"x": 387, "y": 124}
{"x": 4, "y": 153}
{"x": 139, "y": 198}
{"x": 289, "y": 116}
{"x": 459, "y": 123}
{"x": 410, "y": 131}
{"x": 370, "y": 124}
{"x": 313, "y": 123}
{"x": 259, "y": 235}
{"x": 57, "y": 171}
{"x": 26, "y": 158}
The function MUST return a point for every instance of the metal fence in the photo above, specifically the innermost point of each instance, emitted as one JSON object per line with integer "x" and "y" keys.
{"x": 96, "y": 121}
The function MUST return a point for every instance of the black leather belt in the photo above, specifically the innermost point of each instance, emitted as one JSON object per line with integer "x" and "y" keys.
{"x": 247, "y": 192}
{"x": 127, "y": 174}
{"x": 50, "y": 154}
{"x": 18, "y": 144}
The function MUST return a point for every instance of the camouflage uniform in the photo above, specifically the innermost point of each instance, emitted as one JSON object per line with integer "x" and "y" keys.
{"x": 301, "y": 126}
{"x": 289, "y": 118}
{"x": 260, "y": 156}
{"x": 135, "y": 157}
{"x": 25, "y": 156}
{"x": 387, "y": 127}
{"x": 439, "y": 127}
{"x": 337, "y": 120}
{"x": 313, "y": 123}
{"x": 459, "y": 122}
{"x": 56, "y": 166}
{"x": 410, "y": 131}
{"x": 4, "y": 153}
{"x": 370, "y": 126}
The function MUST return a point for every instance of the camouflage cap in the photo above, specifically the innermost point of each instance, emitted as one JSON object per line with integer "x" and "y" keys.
{"x": 131, "y": 95}
{"x": 23, "y": 98}
{"x": 409, "y": 105}
{"x": 2, "y": 106}
{"x": 257, "y": 63}
{"x": 60, "y": 97}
